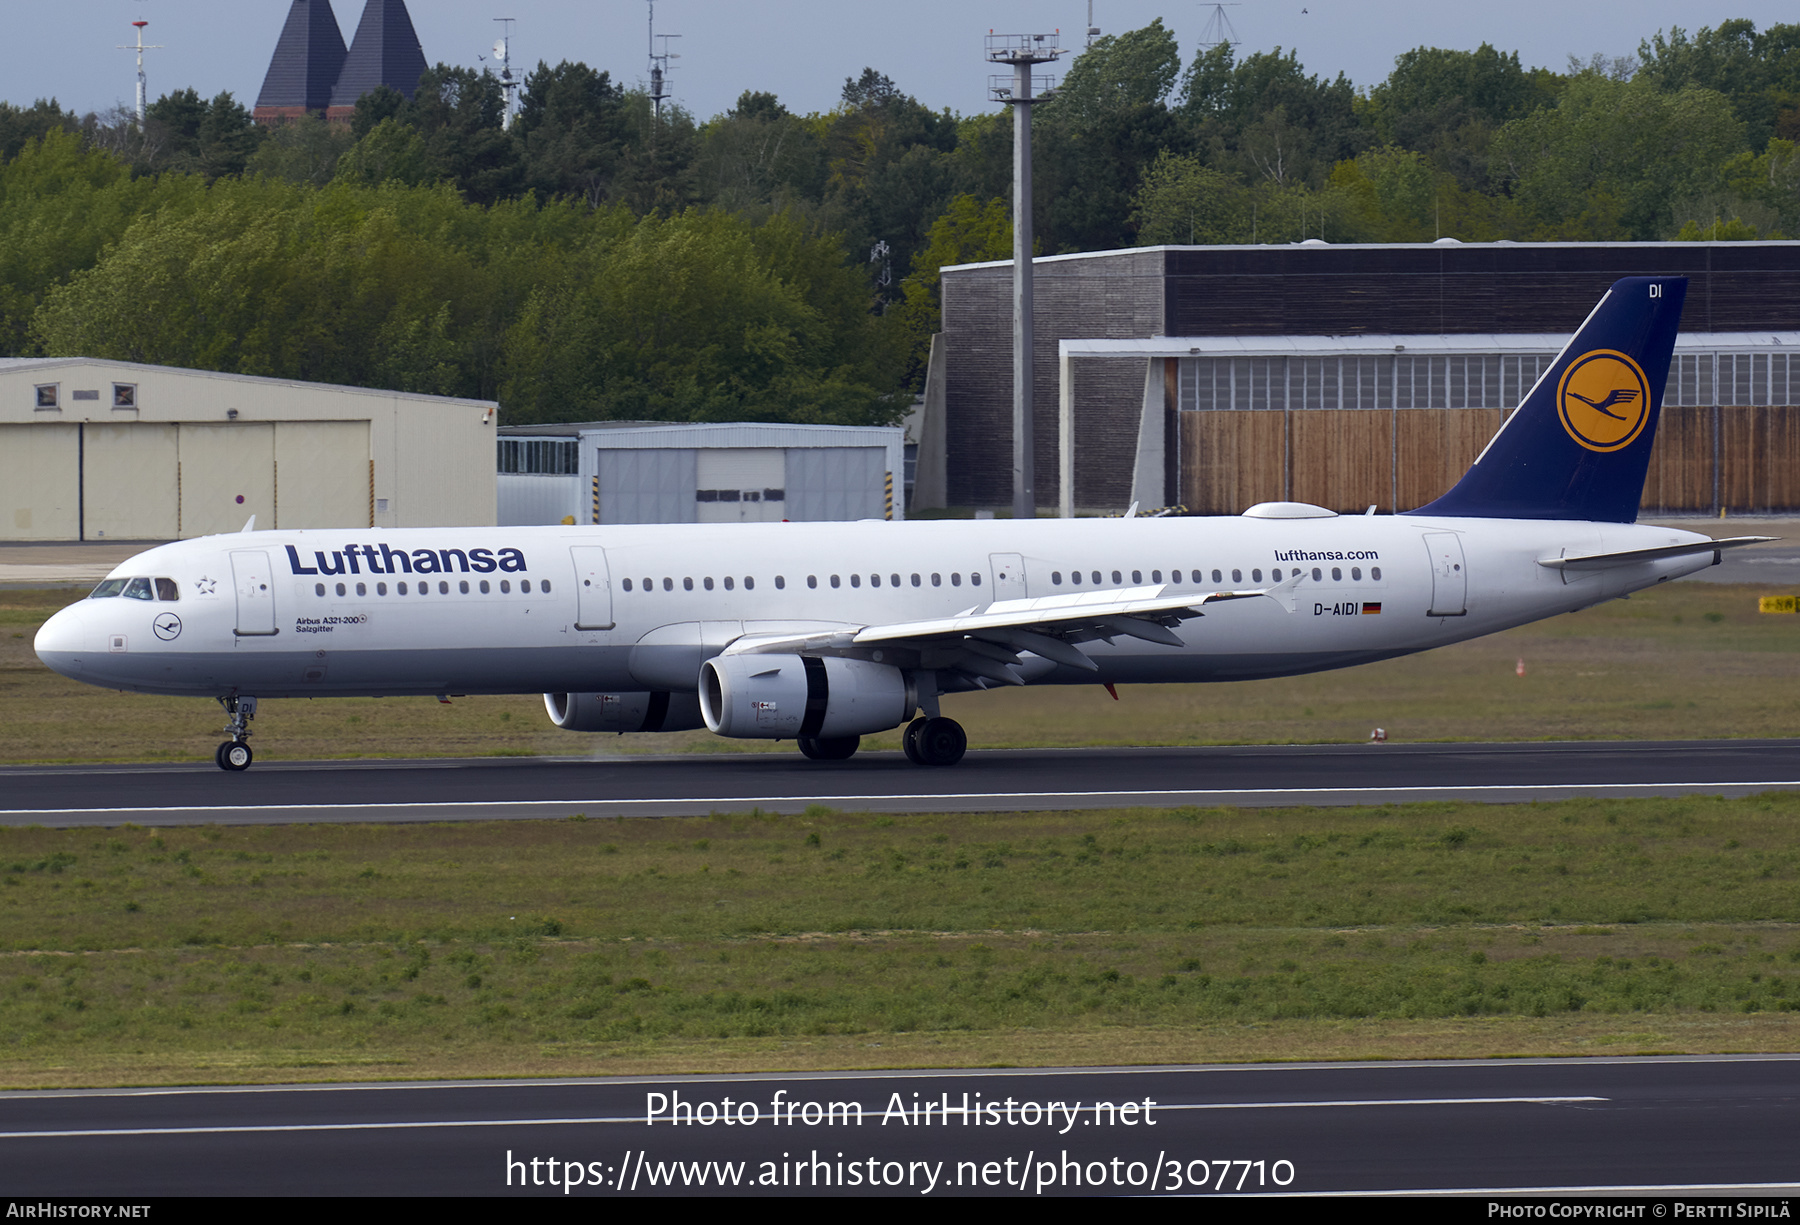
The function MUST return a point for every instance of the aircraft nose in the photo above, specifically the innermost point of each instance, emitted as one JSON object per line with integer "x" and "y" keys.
{"x": 62, "y": 642}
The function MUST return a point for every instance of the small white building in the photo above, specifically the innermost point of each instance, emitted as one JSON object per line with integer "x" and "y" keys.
{"x": 93, "y": 449}
{"x": 741, "y": 472}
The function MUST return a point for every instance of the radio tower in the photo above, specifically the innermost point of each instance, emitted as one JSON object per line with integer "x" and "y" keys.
{"x": 140, "y": 48}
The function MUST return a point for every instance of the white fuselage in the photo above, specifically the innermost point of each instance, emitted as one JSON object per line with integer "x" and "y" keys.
{"x": 640, "y": 608}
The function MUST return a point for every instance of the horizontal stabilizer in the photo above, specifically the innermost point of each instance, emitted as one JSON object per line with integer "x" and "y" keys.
{"x": 1605, "y": 561}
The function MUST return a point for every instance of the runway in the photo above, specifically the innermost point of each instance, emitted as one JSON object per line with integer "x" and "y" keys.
{"x": 1702, "y": 1126}
{"x": 987, "y": 781}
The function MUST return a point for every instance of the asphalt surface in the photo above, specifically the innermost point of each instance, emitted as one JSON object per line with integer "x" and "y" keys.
{"x": 986, "y": 781}
{"x": 1714, "y": 1126}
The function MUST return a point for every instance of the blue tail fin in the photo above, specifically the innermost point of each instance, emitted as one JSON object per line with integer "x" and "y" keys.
{"x": 1579, "y": 445}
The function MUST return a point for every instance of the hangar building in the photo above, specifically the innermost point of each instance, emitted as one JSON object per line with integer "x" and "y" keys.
{"x": 657, "y": 472}
{"x": 1347, "y": 375}
{"x": 93, "y": 449}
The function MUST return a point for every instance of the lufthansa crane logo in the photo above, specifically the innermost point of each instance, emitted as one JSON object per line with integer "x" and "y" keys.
{"x": 1604, "y": 400}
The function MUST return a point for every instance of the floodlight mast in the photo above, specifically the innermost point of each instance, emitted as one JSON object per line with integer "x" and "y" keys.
{"x": 140, "y": 48}
{"x": 1022, "y": 52}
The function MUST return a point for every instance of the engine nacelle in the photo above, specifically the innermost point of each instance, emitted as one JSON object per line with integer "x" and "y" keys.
{"x": 624, "y": 712}
{"x": 785, "y": 697}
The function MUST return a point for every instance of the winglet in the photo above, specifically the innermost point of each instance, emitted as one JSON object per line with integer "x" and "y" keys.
{"x": 250, "y": 524}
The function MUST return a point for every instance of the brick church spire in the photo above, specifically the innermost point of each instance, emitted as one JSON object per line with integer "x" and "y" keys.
{"x": 307, "y": 63}
{"x": 385, "y": 51}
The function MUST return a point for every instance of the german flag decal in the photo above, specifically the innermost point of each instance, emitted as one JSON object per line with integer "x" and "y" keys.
{"x": 1371, "y": 608}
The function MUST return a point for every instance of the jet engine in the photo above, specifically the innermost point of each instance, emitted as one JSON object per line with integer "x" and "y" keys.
{"x": 790, "y": 697}
{"x": 624, "y": 712}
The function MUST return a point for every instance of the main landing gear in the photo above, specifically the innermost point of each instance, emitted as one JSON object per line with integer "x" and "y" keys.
{"x": 234, "y": 754}
{"x": 934, "y": 742}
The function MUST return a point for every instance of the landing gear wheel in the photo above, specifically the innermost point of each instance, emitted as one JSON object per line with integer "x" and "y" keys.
{"x": 829, "y": 748}
{"x": 940, "y": 742}
{"x": 909, "y": 740}
{"x": 234, "y": 755}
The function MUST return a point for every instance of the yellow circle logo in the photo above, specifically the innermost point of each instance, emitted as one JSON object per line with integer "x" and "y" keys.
{"x": 1604, "y": 400}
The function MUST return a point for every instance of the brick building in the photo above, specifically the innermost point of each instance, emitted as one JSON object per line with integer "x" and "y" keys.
{"x": 1349, "y": 375}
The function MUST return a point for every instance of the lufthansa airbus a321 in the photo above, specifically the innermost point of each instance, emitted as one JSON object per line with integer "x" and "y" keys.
{"x": 825, "y": 632}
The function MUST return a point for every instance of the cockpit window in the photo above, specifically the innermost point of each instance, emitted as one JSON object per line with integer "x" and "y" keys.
{"x": 166, "y": 589}
{"x": 110, "y": 587}
{"x": 138, "y": 589}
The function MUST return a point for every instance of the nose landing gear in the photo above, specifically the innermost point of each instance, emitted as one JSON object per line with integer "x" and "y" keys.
{"x": 234, "y": 754}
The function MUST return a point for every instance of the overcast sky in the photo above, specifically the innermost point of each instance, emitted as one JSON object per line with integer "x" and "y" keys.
{"x": 802, "y": 50}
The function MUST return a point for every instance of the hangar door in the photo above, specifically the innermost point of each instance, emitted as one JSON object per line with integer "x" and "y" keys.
{"x": 40, "y": 482}
{"x": 648, "y": 485}
{"x": 826, "y": 483}
{"x": 299, "y": 474}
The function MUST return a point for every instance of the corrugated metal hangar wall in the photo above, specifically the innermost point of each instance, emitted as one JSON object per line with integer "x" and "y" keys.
{"x": 1302, "y": 412}
{"x": 94, "y": 450}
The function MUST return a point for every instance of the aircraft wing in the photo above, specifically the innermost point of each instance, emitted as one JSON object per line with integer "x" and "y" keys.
{"x": 985, "y": 642}
{"x": 1603, "y": 561}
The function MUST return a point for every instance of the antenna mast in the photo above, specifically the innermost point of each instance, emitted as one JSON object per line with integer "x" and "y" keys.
{"x": 1218, "y": 30}
{"x": 140, "y": 48}
{"x": 659, "y": 66}
{"x": 1093, "y": 31}
{"x": 509, "y": 87}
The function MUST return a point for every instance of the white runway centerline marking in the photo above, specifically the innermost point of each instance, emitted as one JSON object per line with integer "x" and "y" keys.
{"x": 920, "y": 795}
{"x": 639, "y": 1119}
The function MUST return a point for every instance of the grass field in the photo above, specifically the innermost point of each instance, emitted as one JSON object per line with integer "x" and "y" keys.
{"x": 1688, "y": 660}
{"x": 733, "y": 942}
{"x": 834, "y": 940}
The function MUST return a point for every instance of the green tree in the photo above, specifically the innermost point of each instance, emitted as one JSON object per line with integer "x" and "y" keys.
{"x": 1265, "y": 118}
{"x": 571, "y": 125}
{"x": 62, "y": 203}
{"x": 970, "y": 232}
{"x": 1448, "y": 104}
{"x": 1758, "y": 72}
{"x": 1107, "y": 123}
{"x": 303, "y": 150}
{"x": 689, "y": 318}
{"x": 1612, "y": 157}
{"x": 1184, "y": 201}
{"x": 19, "y": 124}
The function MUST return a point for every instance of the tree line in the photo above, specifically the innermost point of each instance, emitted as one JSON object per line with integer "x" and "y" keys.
{"x": 597, "y": 259}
